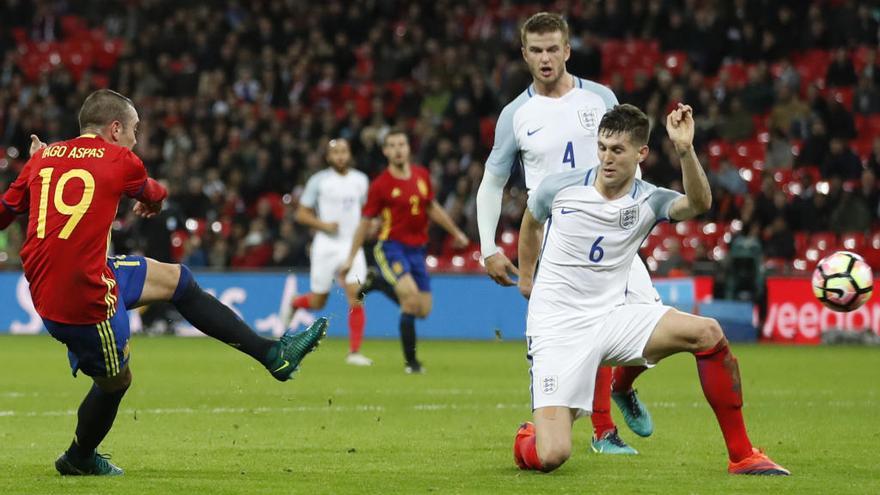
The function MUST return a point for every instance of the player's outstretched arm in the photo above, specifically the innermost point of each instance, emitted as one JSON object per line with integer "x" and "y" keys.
{"x": 307, "y": 217}
{"x": 698, "y": 195}
{"x": 530, "y": 233}
{"x": 489, "y": 199}
{"x": 356, "y": 243}
{"x": 439, "y": 216}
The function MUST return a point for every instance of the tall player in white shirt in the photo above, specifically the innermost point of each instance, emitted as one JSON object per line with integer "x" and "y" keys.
{"x": 331, "y": 204}
{"x": 553, "y": 126}
{"x": 579, "y": 312}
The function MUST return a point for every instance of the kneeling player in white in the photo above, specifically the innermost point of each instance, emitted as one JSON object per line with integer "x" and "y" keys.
{"x": 578, "y": 313}
{"x": 331, "y": 204}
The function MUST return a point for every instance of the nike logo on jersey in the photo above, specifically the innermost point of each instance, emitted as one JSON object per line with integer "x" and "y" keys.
{"x": 532, "y": 132}
{"x": 566, "y": 212}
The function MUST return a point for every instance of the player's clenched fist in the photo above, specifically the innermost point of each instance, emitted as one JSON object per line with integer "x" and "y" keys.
{"x": 680, "y": 125}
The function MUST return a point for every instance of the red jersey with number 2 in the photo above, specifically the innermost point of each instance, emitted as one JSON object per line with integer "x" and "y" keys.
{"x": 402, "y": 204}
{"x": 71, "y": 191}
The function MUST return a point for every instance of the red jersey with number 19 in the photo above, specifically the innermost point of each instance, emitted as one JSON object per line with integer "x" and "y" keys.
{"x": 71, "y": 191}
{"x": 402, "y": 203}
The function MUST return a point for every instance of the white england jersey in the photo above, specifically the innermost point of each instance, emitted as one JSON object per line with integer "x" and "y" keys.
{"x": 549, "y": 135}
{"x": 336, "y": 198}
{"x": 589, "y": 245}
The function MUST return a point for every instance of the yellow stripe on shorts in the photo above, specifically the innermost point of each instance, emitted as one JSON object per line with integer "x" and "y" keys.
{"x": 111, "y": 358}
{"x": 387, "y": 273}
{"x": 103, "y": 338}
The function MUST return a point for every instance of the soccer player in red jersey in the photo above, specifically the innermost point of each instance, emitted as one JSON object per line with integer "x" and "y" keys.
{"x": 402, "y": 195}
{"x": 71, "y": 192}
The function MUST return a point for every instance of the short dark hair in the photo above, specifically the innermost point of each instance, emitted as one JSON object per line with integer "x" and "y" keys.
{"x": 627, "y": 118}
{"x": 102, "y": 107}
{"x": 544, "y": 22}
{"x": 394, "y": 131}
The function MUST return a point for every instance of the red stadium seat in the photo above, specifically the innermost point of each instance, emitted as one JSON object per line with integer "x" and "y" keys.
{"x": 686, "y": 227}
{"x": 736, "y": 72}
{"x": 872, "y": 251}
{"x": 73, "y": 26}
{"x": 823, "y": 241}
{"x": 863, "y": 146}
{"x": 487, "y": 131}
{"x": 854, "y": 242}
{"x": 749, "y": 154}
{"x": 674, "y": 61}
{"x": 801, "y": 243}
{"x": 775, "y": 265}
{"x": 812, "y": 65}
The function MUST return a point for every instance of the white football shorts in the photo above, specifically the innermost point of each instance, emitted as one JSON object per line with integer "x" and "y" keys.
{"x": 639, "y": 288}
{"x": 564, "y": 366}
{"x": 326, "y": 261}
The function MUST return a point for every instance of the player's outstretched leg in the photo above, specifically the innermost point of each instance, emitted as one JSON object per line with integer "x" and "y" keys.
{"x": 634, "y": 411}
{"x": 206, "y": 313}
{"x": 285, "y": 355}
{"x": 720, "y": 380}
{"x": 722, "y": 386}
{"x": 94, "y": 419}
{"x": 606, "y": 439}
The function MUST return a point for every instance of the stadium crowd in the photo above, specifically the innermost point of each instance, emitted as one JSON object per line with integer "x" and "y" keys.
{"x": 237, "y": 104}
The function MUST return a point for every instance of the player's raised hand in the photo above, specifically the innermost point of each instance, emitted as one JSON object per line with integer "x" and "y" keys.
{"x": 680, "y": 125}
{"x": 147, "y": 210}
{"x": 36, "y": 144}
{"x": 500, "y": 269}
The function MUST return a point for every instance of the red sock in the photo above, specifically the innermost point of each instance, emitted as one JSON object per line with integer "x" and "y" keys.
{"x": 624, "y": 376}
{"x": 529, "y": 451}
{"x": 601, "y": 416}
{"x": 719, "y": 376}
{"x": 356, "y": 320}
{"x": 302, "y": 302}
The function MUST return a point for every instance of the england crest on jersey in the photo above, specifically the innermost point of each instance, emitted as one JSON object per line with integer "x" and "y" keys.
{"x": 629, "y": 217}
{"x": 589, "y": 118}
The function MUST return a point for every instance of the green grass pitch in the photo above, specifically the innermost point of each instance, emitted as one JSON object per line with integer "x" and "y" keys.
{"x": 202, "y": 418}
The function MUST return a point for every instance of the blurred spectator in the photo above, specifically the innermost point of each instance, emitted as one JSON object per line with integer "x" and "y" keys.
{"x": 815, "y": 148}
{"x": 866, "y": 98}
{"x": 869, "y": 192}
{"x": 840, "y": 121}
{"x": 840, "y": 70}
{"x": 744, "y": 275}
{"x": 728, "y": 178}
{"x": 778, "y": 151}
{"x": 789, "y": 114}
{"x": 841, "y": 161}
{"x": 737, "y": 125}
{"x": 194, "y": 254}
{"x": 779, "y": 239}
{"x": 874, "y": 159}
{"x": 851, "y": 214}
{"x": 236, "y": 99}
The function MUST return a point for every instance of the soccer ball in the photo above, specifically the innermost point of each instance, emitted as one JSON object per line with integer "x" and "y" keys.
{"x": 843, "y": 281}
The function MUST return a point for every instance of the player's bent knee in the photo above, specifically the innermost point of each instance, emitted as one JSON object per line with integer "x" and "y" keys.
{"x": 711, "y": 334}
{"x": 554, "y": 456}
{"x": 116, "y": 383}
